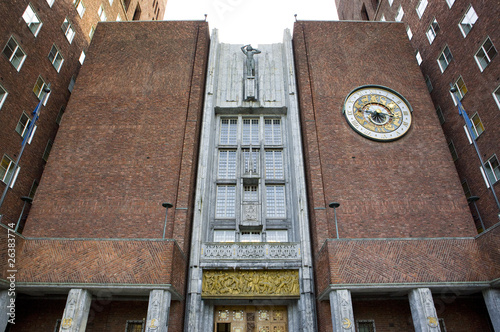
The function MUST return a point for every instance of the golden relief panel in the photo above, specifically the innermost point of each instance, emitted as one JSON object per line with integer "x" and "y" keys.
{"x": 251, "y": 319}
{"x": 250, "y": 283}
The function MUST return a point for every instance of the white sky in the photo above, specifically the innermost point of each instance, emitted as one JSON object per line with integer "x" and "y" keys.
{"x": 251, "y": 21}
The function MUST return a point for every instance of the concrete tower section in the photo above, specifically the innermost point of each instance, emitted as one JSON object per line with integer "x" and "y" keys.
{"x": 405, "y": 233}
{"x": 98, "y": 249}
{"x": 250, "y": 266}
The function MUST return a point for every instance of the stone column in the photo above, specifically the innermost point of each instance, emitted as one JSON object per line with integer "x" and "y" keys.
{"x": 4, "y": 310}
{"x": 423, "y": 311}
{"x": 158, "y": 311}
{"x": 492, "y": 300}
{"x": 76, "y": 311}
{"x": 341, "y": 308}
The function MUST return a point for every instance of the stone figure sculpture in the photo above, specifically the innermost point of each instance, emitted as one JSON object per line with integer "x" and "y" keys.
{"x": 249, "y": 51}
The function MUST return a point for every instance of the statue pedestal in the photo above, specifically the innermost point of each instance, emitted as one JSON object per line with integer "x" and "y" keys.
{"x": 250, "y": 88}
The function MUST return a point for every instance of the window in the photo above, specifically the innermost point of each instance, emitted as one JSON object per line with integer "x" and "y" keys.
{"x": 274, "y": 164}
{"x": 250, "y": 237}
{"x": 224, "y": 235}
{"x": 461, "y": 89}
{"x": 60, "y": 115}
{"x": 421, "y": 7}
{"x": 7, "y": 170}
{"x": 118, "y": 18}
{"x": 440, "y": 115}
{"x": 419, "y": 57}
{"x": 3, "y": 95}
{"x": 228, "y": 131}
{"x": 453, "y": 152}
{"x": 450, "y": 2}
{"x": 110, "y": 2}
{"x": 58, "y": 325}
{"x": 227, "y": 164}
{"x": 250, "y": 193}
{"x": 48, "y": 147}
{"x": 251, "y": 165}
{"x": 38, "y": 89}
{"x": 275, "y": 201}
{"x": 250, "y": 132}
{"x": 101, "y": 13}
{"x": 91, "y": 33}
{"x": 477, "y": 125}
{"x": 33, "y": 189}
{"x": 485, "y": 54}
{"x": 50, "y": 3}
{"x": 364, "y": 13}
{"x": 366, "y": 325}
{"x": 71, "y": 83}
{"x": 80, "y": 8}
{"x": 492, "y": 169}
{"x": 496, "y": 96}
{"x": 226, "y": 201}
{"x": 399, "y": 14}
{"x": 441, "y": 325}
{"x": 272, "y": 128}
{"x": 466, "y": 188}
{"x": 409, "y": 33}
{"x": 432, "y": 30}
{"x": 468, "y": 21}
{"x": 56, "y": 58}
{"x": 277, "y": 236}
{"x": 23, "y": 126}
{"x": 32, "y": 20}
{"x": 382, "y": 19}
{"x": 390, "y": 2}
{"x": 428, "y": 83}
{"x": 134, "y": 326}
{"x": 14, "y": 53}
{"x": 444, "y": 59}
{"x": 82, "y": 57}
{"x": 68, "y": 30}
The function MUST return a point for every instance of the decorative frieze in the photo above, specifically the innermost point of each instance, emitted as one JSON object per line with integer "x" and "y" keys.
{"x": 253, "y": 251}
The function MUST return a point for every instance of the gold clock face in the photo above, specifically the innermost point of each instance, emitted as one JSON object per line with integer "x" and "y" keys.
{"x": 378, "y": 113}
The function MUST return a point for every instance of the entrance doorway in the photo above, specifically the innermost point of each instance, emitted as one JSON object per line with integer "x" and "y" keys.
{"x": 251, "y": 319}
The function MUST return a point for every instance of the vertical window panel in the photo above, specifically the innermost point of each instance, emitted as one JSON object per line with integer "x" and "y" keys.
{"x": 226, "y": 201}
{"x": 272, "y": 128}
{"x": 250, "y": 132}
{"x": 32, "y": 20}
{"x": 228, "y": 131}
{"x": 227, "y": 164}
{"x": 275, "y": 201}
{"x": 250, "y": 194}
{"x": 274, "y": 164}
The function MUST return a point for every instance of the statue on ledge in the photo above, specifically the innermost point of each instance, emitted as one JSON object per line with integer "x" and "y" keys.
{"x": 249, "y": 51}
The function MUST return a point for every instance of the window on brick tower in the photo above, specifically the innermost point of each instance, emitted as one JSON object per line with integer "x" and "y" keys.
{"x": 3, "y": 95}
{"x": 14, "y": 53}
{"x": 137, "y": 13}
{"x": 364, "y": 13}
{"x": 32, "y": 20}
{"x": 468, "y": 21}
{"x": 444, "y": 59}
{"x": 485, "y": 54}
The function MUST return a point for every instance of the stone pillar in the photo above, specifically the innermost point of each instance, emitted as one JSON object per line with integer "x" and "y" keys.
{"x": 341, "y": 308}
{"x": 4, "y": 311}
{"x": 492, "y": 300}
{"x": 76, "y": 311}
{"x": 158, "y": 311}
{"x": 423, "y": 311}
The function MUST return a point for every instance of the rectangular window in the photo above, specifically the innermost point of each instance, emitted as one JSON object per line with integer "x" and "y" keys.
{"x": 38, "y": 89}
{"x": 14, "y": 53}
{"x": 250, "y": 132}
{"x": 468, "y": 21}
{"x": 251, "y": 164}
{"x": 134, "y": 326}
{"x": 68, "y": 30}
{"x": 477, "y": 125}
{"x": 366, "y": 325}
{"x": 418, "y": 57}
{"x": 409, "y": 33}
{"x": 3, "y": 95}
{"x": 250, "y": 237}
{"x": 496, "y": 96}
{"x": 275, "y": 201}
{"x": 444, "y": 59}
{"x": 466, "y": 188}
{"x": 461, "y": 89}
{"x": 453, "y": 152}
{"x": 32, "y": 20}
{"x": 23, "y": 125}
{"x": 50, "y": 3}
{"x": 485, "y": 54}
{"x": 399, "y": 14}
{"x": 274, "y": 164}
{"x": 7, "y": 170}
{"x": 71, "y": 83}
{"x": 56, "y": 58}
{"x": 102, "y": 13}
{"x": 421, "y": 7}
{"x": 227, "y": 164}
{"x": 60, "y": 115}
{"x": 450, "y": 2}
{"x": 428, "y": 83}
{"x": 432, "y": 31}
{"x": 224, "y": 235}
{"x": 82, "y": 57}
{"x": 277, "y": 235}
{"x": 33, "y": 189}
{"x": 80, "y": 8}
{"x": 272, "y": 128}
{"x": 46, "y": 153}
{"x": 226, "y": 201}
{"x": 440, "y": 115}
{"x": 492, "y": 169}
{"x": 250, "y": 193}
{"x": 228, "y": 131}
{"x": 91, "y": 33}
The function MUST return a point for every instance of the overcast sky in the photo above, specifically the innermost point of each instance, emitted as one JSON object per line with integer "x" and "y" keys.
{"x": 251, "y": 21}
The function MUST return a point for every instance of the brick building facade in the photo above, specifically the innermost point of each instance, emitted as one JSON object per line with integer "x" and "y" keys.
{"x": 251, "y": 150}
{"x": 45, "y": 42}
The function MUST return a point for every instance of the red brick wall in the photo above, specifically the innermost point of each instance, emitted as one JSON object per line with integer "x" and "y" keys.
{"x": 405, "y": 188}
